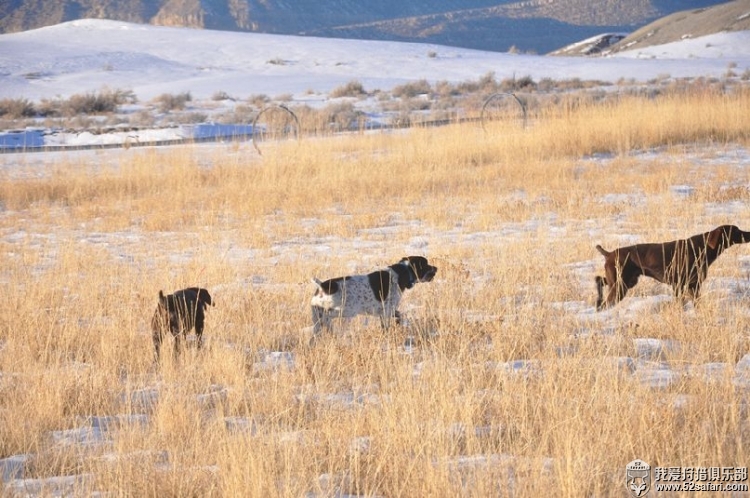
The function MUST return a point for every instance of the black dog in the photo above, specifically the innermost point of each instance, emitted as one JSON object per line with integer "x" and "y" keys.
{"x": 178, "y": 313}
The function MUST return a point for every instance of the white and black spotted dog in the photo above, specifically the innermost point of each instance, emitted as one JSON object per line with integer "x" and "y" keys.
{"x": 377, "y": 293}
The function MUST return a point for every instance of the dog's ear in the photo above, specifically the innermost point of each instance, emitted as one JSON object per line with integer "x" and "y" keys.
{"x": 162, "y": 298}
{"x": 405, "y": 273}
{"x": 329, "y": 287}
{"x": 204, "y": 297}
{"x": 714, "y": 237}
{"x": 416, "y": 263}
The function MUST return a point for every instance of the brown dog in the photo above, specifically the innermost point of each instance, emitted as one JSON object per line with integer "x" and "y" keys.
{"x": 683, "y": 264}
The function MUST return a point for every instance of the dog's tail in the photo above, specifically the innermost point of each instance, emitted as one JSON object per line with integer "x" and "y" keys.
{"x": 603, "y": 251}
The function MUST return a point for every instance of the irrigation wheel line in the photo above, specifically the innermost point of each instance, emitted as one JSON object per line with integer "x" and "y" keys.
{"x": 268, "y": 108}
{"x": 496, "y": 96}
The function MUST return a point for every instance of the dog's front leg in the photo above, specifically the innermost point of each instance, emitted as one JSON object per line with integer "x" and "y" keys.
{"x": 388, "y": 318}
{"x": 157, "y": 337}
{"x": 321, "y": 320}
{"x": 177, "y": 345}
{"x": 615, "y": 292}
{"x": 200, "y": 320}
{"x": 688, "y": 292}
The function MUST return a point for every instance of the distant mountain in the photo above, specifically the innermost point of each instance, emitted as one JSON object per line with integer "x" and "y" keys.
{"x": 530, "y": 25}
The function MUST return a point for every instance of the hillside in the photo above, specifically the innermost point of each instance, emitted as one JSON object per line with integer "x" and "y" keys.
{"x": 683, "y": 25}
{"x": 535, "y": 25}
{"x": 731, "y": 16}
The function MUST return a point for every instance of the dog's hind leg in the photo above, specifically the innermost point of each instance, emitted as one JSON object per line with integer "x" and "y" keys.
{"x": 600, "y": 283}
{"x": 177, "y": 344}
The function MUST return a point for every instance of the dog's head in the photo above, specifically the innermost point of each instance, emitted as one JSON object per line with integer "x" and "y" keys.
{"x": 412, "y": 270}
{"x": 202, "y": 296}
{"x": 726, "y": 236}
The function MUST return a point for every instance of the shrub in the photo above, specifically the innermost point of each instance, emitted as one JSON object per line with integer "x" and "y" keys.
{"x": 142, "y": 118}
{"x": 95, "y": 103}
{"x": 242, "y": 113}
{"x": 259, "y": 100}
{"x": 485, "y": 84}
{"x": 513, "y": 84}
{"x": 170, "y": 102}
{"x": 221, "y": 95}
{"x": 191, "y": 118}
{"x": 412, "y": 89}
{"x": 341, "y": 116}
{"x": 49, "y": 108}
{"x": 352, "y": 89}
{"x": 16, "y": 108}
{"x": 445, "y": 89}
{"x": 546, "y": 85}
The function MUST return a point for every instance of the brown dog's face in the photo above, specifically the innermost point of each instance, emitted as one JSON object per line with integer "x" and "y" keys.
{"x": 424, "y": 271}
{"x": 726, "y": 236}
{"x": 737, "y": 236}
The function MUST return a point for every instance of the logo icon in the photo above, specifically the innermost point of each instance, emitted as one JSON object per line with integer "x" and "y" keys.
{"x": 638, "y": 478}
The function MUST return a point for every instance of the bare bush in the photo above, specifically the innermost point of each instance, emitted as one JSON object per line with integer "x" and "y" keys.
{"x": 16, "y": 108}
{"x": 173, "y": 102}
{"x": 352, "y": 89}
{"x": 191, "y": 117}
{"x": 221, "y": 95}
{"x": 241, "y": 114}
{"x": 105, "y": 101}
{"x": 259, "y": 100}
{"x": 341, "y": 116}
{"x": 412, "y": 89}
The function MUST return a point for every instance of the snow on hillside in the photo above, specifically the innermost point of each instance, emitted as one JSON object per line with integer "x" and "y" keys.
{"x": 86, "y": 55}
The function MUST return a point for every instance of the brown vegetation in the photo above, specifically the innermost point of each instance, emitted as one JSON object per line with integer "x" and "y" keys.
{"x": 88, "y": 241}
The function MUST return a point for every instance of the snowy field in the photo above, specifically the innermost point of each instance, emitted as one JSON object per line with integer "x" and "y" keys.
{"x": 87, "y": 55}
{"x": 641, "y": 349}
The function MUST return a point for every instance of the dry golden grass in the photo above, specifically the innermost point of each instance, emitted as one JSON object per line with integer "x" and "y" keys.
{"x": 511, "y": 218}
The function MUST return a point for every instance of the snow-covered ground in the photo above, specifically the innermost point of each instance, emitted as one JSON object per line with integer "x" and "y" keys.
{"x": 650, "y": 361}
{"x": 86, "y": 55}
